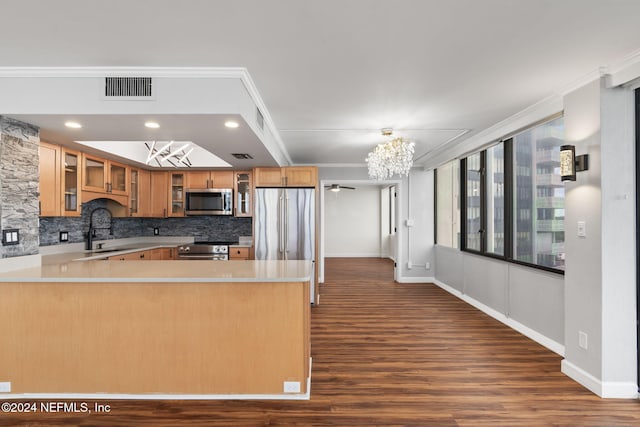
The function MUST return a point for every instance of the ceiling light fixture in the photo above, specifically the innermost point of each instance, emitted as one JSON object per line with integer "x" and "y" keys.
{"x": 231, "y": 124}
{"x": 73, "y": 125}
{"x": 391, "y": 157}
{"x": 152, "y": 125}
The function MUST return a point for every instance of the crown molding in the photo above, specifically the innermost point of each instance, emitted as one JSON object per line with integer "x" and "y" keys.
{"x": 176, "y": 72}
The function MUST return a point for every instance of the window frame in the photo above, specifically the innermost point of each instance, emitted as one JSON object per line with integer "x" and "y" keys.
{"x": 509, "y": 203}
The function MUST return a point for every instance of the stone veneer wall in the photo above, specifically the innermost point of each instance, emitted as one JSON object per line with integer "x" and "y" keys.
{"x": 203, "y": 228}
{"x": 19, "y": 180}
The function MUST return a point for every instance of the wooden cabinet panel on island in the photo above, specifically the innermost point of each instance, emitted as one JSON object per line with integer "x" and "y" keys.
{"x": 209, "y": 179}
{"x": 294, "y": 176}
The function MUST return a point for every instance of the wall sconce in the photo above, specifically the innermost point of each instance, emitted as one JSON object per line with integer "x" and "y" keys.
{"x": 570, "y": 164}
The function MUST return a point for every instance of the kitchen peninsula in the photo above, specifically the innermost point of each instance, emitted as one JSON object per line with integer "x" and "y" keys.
{"x": 156, "y": 329}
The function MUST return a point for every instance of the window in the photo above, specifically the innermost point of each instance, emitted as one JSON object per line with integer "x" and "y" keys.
{"x": 495, "y": 199}
{"x": 540, "y": 192}
{"x": 448, "y": 204}
{"x": 513, "y": 200}
{"x": 473, "y": 228}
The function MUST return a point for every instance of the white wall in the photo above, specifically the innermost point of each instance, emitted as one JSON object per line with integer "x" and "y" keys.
{"x": 352, "y": 221}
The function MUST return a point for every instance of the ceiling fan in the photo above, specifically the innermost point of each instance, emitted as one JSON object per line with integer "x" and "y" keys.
{"x": 337, "y": 187}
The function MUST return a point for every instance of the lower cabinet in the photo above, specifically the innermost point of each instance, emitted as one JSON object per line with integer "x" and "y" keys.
{"x": 239, "y": 253}
{"x": 160, "y": 254}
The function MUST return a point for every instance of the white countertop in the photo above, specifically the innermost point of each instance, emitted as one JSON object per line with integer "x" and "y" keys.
{"x": 164, "y": 271}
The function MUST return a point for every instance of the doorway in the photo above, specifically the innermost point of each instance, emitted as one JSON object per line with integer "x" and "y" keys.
{"x": 370, "y": 206}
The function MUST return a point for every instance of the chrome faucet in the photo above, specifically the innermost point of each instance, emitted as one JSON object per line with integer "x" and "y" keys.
{"x": 92, "y": 230}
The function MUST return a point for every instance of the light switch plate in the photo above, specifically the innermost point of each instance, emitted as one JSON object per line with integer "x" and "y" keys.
{"x": 582, "y": 229}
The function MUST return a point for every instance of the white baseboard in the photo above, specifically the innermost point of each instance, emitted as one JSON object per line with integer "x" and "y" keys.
{"x": 407, "y": 279}
{"x": 513, "y": 324}
{"x": 604, "y": 389}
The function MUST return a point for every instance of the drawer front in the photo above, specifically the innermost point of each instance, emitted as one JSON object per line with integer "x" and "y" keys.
{"x": 238, "y": 253}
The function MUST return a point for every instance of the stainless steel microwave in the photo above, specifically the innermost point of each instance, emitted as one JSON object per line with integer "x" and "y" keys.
{"x": 209, "y": 201}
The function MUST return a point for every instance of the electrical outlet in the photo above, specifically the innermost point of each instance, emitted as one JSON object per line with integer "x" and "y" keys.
{"x": 427, "y": 266}
{"x": 5, "y": 387}
{"x": 292, "y": 386}
{"x": 64, "y": 236}
{"x": 156, "y": 231}
{"x": 409, "y": 265}
{"x": 583, "y": 339}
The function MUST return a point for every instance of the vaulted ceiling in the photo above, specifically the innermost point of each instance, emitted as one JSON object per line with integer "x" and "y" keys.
{"x": 333, "y": 73}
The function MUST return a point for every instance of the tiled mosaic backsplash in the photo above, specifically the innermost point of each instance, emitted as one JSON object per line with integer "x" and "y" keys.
{"x": 203, "y": 228}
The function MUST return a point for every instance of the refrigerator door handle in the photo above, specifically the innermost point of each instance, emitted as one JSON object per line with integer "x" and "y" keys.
{"x": 286, "y": 227}
{"x": 280, "y": 218}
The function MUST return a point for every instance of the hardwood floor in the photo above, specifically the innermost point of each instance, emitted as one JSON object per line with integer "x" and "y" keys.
{"x": 395, "y": 354}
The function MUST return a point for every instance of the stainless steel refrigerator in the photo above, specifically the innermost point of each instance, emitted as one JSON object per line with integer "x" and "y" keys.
{"x": 285, "y": 226}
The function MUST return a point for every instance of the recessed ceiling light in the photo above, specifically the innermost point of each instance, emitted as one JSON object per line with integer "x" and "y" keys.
{"x": 73, "y": 125}
{"x": 152, "y": 125}
{"x": 231, "y": 124}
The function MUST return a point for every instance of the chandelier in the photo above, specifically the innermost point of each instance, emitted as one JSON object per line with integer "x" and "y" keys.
{"x": 391, "y": 157}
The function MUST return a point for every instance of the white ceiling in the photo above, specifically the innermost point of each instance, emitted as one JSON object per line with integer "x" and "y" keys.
{"x": 332, "y": 73}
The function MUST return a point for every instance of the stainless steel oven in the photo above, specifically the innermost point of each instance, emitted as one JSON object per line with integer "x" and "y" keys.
{"x": 204, "y": 251}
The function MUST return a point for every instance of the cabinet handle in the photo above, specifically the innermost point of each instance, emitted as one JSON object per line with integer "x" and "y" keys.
{"x": 141, "y": 256}
{"x": 109, "y": 187}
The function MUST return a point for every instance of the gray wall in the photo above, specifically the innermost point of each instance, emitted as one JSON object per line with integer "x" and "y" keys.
{"x": 19, "y": 178}
{"x": 203, "y": 228}
{"x": 600, "y": 280}
{"x": 531, "y": 297}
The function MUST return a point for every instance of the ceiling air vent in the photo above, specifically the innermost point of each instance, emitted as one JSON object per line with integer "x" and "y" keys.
{"x": 127, "y": 87}
{"x": 259, "y": 119}
{"x": 243, "y": 156}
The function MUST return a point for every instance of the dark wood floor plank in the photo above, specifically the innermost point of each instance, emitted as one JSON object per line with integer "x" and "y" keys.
{"x": 395, "y": 354}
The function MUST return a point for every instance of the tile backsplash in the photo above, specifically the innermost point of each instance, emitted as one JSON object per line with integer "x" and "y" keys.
{"x": 203, "y": 228}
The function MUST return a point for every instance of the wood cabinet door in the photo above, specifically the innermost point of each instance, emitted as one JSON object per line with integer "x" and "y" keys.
{"x": 140, "y": 193}
{"x": 267, "y": 177}
{"x": 221, "y": 179}
{"x": 159, "y": 184}
{"x": 50, "y": 176}
{"x": 71, "y": 182}
{"x": 301, "y": 176}
{"x": 198, "y": 180}
{"x": 243, "y": 193}
{"x": 118, "y": 178}
{"x": 94, "y": 171}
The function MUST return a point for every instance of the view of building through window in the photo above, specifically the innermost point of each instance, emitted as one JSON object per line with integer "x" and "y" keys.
{"x": 535, "y": 210}
{"x": 539, "y": 195}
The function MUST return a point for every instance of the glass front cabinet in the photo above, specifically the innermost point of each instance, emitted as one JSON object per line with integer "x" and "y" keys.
{"x": 71, "y": 182}
{"x": 243, "y": 189}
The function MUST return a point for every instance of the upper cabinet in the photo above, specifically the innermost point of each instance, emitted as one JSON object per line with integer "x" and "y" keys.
{"x": 105, "y": 176}
{"x": 294, "y": 176}
{"x": 140, "y": 193}
{"x": 50, "y": 176}
{"x": 209, "y": 179}
{"x": 158, "y": 196}
{"x": 242, "y": 192}
{"x": 71, "y": 182}
{"x": 59, "y": 181}
{"x": 176, "y": 193}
